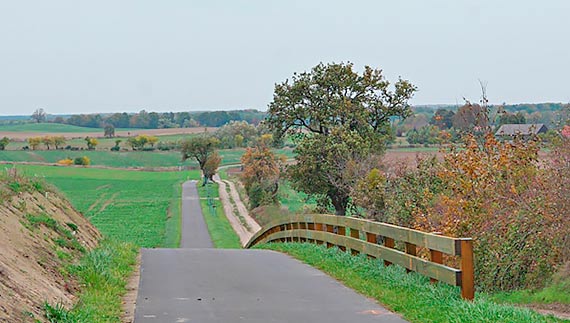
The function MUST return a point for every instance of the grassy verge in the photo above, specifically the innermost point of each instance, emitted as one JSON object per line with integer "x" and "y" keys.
{"x": 221, "y": 232}
{"x": 103, "y": 273}
{"x": 173, "y": 228}
{"x": 408, "y": 294}
{"x": 555, "y": 293}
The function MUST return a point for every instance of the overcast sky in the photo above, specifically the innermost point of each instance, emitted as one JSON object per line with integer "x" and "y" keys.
{"x": 106, "y": 56}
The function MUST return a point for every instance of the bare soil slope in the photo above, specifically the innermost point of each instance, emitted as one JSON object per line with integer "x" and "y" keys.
{"x": 39, "y": 232}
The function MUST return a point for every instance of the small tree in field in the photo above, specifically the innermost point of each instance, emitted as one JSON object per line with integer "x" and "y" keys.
{"x": 58, "y": 141}
{"x": 211, "y": 165}
{"x": 91, "y": 143}
{"x": 109, "y": 131}
{"x": 201, "y": 148}
{"x": 39, "y": 115}
{"x": 4, "y": 142}
{"x": 34, "y": 142}
{"x": 48, "y": 141}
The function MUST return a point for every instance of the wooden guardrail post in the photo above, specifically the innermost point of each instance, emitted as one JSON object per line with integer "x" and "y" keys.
{"x": 356, "y": 235}
{"x": 467, "y": 270}
{"x": 319, "y": 227}
{"x": 371, "y": 237}
{"x": 341, "y": 231}
{"x": 411, "y": 249}
{"x": 330, "y": 229}
{"x": 435, "y": 256}
{"x": 388, "y": 243}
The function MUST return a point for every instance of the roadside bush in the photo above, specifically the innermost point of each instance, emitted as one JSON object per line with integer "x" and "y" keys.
{"x": 66, "y": 162}
{"x": 498, "y": 194}
{"x": 85, "y": 161}
{"x": 260, "y": 175}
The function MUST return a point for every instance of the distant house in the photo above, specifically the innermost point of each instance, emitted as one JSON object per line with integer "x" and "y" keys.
{"x": 525, "y": 130}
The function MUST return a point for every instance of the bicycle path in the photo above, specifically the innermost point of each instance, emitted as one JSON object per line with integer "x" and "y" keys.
{"x": 203, "y": 284}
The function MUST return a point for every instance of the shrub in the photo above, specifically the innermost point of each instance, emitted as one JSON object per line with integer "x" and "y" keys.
{"x": 65, "y": 162}
{"x": 82, "y": 161}
{"x": 498, "y": 194}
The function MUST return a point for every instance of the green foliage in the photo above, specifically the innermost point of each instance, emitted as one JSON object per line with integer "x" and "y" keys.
{"x": 428, "y": 135}
{"x": 511, "y": 118}
{"x": 411, "y": 294}
{"x": 109, "y": 131}
{"x": 236, "y": 134}
{"x": 340, "y": 116}
{"x": 66, "y": 238}
{"x": 201, "y": 148}
{"x": 85, "y": 161}
{"x": 139, "y": 142}
{"x": 443, "y": 119}
{"x": 4, "y": 142}
{"x": 91, "y": 142}
{"x": 330, "y": 166}
{"x": 103, "y": 273}
{"x": 221, "y": 232}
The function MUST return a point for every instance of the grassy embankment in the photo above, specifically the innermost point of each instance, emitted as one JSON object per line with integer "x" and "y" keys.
{"x": 221, "y": 232}
{"x": 132, "y": 210}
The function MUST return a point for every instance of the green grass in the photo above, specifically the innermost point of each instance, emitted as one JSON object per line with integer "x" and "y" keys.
{"x": 103, "y": 273}
{"x": 222, "y": 234}
{"x": 555, "y": 293}
{"x": 52, "y": 127}
{"x": 294, "y": 201}
{"x": 408, "y": 294}
{"x": 122, "y": 159}
{"x": 131, "y": 206}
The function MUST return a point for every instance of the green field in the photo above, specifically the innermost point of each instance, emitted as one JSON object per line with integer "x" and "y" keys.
{"x": 52, "y": 127}
{"x": 130, "y": 206}
{"x": 123, "y": 159}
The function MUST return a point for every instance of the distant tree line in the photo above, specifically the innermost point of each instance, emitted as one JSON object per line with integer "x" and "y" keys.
{"x": 156, "y": 120}
{"x": 444, "y": 124}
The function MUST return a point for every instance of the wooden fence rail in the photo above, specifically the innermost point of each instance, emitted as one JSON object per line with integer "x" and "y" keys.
{"x": 378, "y": 240}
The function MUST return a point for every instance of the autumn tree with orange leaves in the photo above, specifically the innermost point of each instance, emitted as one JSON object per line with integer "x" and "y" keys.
{"x": 261, "y": 171}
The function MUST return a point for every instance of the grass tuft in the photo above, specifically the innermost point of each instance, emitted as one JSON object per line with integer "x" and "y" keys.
{"x": 103, "y": 273}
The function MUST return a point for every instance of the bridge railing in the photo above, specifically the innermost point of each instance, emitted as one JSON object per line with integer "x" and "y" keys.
{"x": 378, "y": 240}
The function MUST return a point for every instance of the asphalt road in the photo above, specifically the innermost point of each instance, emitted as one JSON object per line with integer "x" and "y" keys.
{"x": 194, "y": 230}
{"x": 202, "y": 284}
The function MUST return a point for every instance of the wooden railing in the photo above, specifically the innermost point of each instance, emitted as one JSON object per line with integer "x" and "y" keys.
{"x": 378, "y": 240}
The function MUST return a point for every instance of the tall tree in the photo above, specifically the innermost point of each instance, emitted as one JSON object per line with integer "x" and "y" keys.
{"x": 39, "y": 115}
{"x": 109, "y": 131}
{"x": 340, "y": 117}
{"x": 199, "y": 147}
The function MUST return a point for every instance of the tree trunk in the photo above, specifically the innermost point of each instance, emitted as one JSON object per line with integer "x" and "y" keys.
{"x": 340, "y": 202}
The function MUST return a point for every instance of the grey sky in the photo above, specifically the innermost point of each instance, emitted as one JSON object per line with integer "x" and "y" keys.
{"x": 105, "y": 56}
